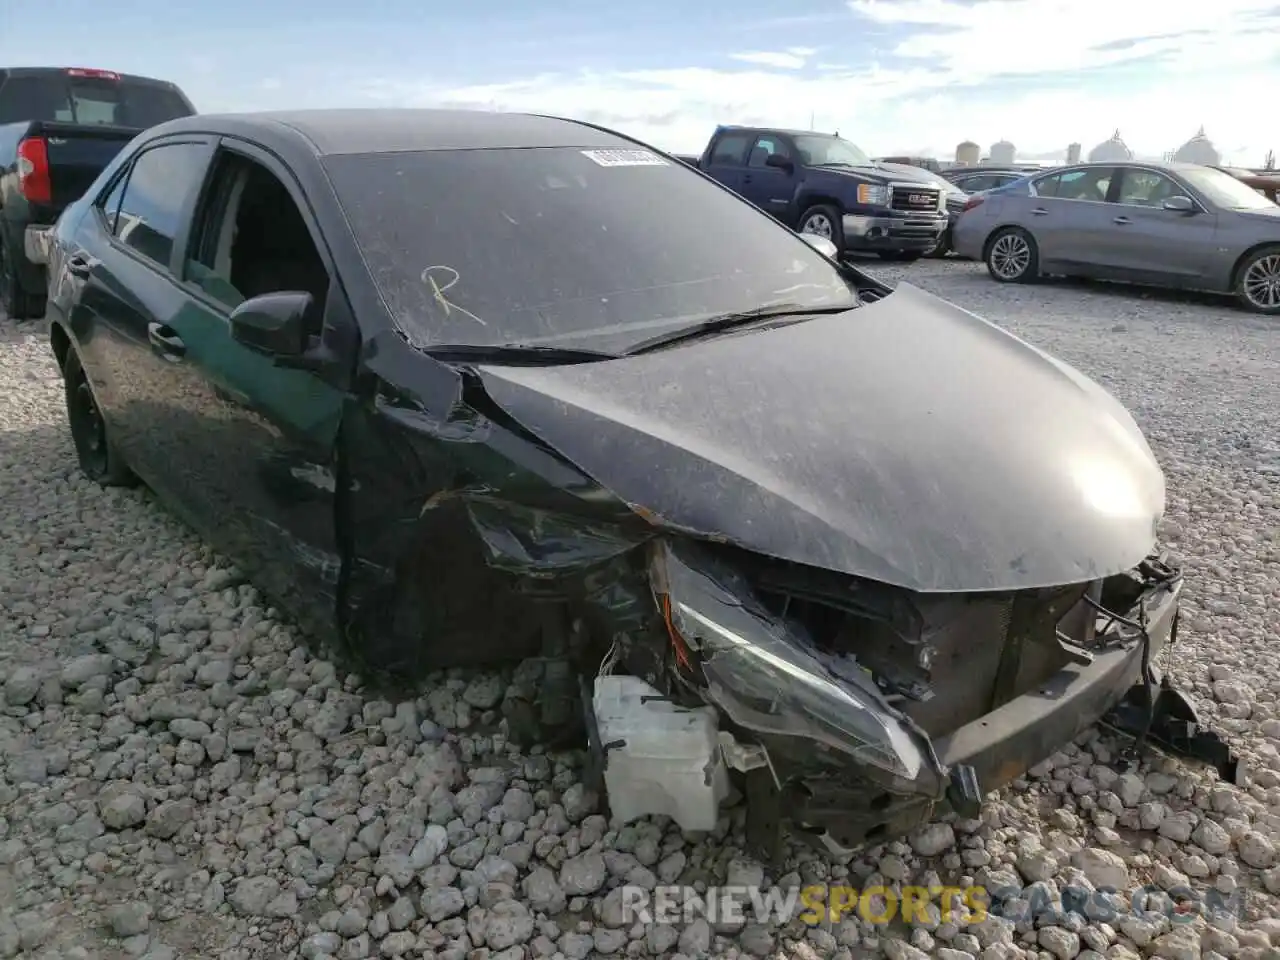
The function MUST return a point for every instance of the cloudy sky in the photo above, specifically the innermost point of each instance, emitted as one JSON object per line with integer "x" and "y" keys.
{"x": 895, "y": 76}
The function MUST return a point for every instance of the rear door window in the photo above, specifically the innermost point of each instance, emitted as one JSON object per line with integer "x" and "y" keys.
{"x": 1091, "y": 183}
{"x": 730, "y": 149}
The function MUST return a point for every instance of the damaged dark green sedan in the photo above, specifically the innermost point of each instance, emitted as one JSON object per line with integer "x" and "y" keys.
{"x": 460, "y": 388}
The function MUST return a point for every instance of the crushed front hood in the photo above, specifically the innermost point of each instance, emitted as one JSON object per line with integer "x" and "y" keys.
{"x": 909, "y": 442}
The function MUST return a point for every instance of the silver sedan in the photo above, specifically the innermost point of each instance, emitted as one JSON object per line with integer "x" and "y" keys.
{"x": 1165, "y": 224}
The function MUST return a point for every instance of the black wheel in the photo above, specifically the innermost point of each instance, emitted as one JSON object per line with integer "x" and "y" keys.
{"x": 14, "y": 302}
{"x": 826, "y": 222}
{"x": 1012, "y": 256}
{"x": 97, "y": 457}
{"x": 1258, "y": 281}
{"x": 900, "y": 256}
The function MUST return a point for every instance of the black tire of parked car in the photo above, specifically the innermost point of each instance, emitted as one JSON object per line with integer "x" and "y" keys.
{"x": 97, "y": 455}
{"x": 14, "y": 302}
{"x": 1257, "y": 276}
{"x": 900, "y": 256}
{"x": 1012, "y": 256}
{"x": 833, "y": 220}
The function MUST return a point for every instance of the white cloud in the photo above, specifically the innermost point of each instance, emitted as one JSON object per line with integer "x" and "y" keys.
{"x": 1183, "y": 65}
{"x": 793, "y": 58}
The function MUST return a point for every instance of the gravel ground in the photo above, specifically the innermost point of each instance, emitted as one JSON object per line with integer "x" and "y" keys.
{"x": 180, "y": 780}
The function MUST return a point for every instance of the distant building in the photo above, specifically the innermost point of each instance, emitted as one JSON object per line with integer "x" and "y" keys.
{"x": 967, "y": 153}
{"x": 1111, "y": 150}
{"x": 1002, "y": 152}
{"x": 1073, "y": 153}
{"x": 1199, "y": 149}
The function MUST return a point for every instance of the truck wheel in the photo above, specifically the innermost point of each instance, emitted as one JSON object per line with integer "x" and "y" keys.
{"x": 824, "y": 221}
{"x": 1012, "y": 256}
{"x": 1258, "y": 281}
{"x": 900, "y": 256}
{"x": 14, "y": 302}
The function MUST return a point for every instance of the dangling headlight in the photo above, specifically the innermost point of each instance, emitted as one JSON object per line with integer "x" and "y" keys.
{"x": 765, "y": 677}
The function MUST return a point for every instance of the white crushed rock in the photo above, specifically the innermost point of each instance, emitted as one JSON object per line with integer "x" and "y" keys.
{"x": 179, "y": 779}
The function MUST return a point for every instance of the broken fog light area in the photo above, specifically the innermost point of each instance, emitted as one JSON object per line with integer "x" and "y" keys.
{"x": 766, "y": 675}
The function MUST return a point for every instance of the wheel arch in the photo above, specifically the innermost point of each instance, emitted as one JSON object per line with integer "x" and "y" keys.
{"x": 996, "y": 231}
{"x": 1244, "y": 257}
{"x": 808, "y": 202}
{"x": 60, "y": 341}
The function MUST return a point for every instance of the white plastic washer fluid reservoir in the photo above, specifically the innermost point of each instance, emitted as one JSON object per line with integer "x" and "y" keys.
{"x": 665, "y": 758}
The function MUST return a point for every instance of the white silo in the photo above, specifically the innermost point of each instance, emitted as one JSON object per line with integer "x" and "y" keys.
{"x": 968, "y": 153}
{"x": 1111, "y": 151}
{"x": 1199, "y": 149}
{"x": 1002, "y": 152}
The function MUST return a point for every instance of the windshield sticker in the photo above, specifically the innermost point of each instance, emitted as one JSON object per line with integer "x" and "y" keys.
{"x": 625, "y": 158}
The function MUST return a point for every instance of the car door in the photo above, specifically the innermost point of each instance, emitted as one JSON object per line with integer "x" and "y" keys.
{"x": 769, "y": 188}
{"x": 123, "y": 256}
{"x": 256, "y": 438}
{"x": 1148, "y": 243}
{"x": 728, "y": 158}
{"x": 1069, "y": 215}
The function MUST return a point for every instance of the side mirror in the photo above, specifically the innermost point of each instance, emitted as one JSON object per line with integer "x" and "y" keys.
{"x": 821, "y": 244}
{"x": 1179, "y": 205}
{"x": 780, "y": 162}
{"x": 273, "y": 323}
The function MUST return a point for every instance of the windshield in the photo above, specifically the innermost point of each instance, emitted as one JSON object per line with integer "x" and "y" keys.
{"x": 89, "y": 100}
{"x": 1224, "y": 190}
{"x": 816, "y": 150}
{"x": 600, "y": 249}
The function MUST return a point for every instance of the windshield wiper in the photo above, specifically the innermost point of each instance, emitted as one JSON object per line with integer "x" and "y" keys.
{"x": 515, "y": 354}
{"x": 726, "y": 321}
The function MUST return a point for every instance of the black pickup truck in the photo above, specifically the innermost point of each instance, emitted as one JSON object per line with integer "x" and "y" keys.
{"x": 820, "y": 183}
{"x": 59, "y": 128}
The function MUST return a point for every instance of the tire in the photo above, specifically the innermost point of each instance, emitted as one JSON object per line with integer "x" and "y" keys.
{"x": 1012, "y": 256}
{"x": 14, "y": 301}
{"x": 825, "y": 221}
{"x": 1257, "y": 284}
{"x": 98, "y": 458}
{"x": 900, "y": 256}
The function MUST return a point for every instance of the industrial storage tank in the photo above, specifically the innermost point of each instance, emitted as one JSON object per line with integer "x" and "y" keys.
{"x": 1199, "y": 149}
{"x": 1002, "y": 152}
{"x": 1111, "y": 151}
{"x": 968, "y": 153}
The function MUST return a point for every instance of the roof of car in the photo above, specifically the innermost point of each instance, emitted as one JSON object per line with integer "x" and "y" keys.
{"x": 745, "y": 128}
{"x": 331, "y": 132}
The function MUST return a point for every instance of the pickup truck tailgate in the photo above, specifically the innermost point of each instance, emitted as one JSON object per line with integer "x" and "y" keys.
{"x": 77, "y": 154}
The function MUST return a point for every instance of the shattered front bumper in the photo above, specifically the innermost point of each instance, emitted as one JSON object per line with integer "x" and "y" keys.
{"x": 1003, "y": 744}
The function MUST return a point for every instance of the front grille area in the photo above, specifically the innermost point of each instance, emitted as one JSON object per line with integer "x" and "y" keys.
{"x": 914, "y": 198}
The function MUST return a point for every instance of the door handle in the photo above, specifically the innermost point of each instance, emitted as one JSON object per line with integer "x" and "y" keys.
{"x": 1039, "y": 212}
{"x": 79, "y": 265}
{"x": 1122, "y": 220}
{"x": 746, "y": 178}
{"x": 165, "y": 342}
